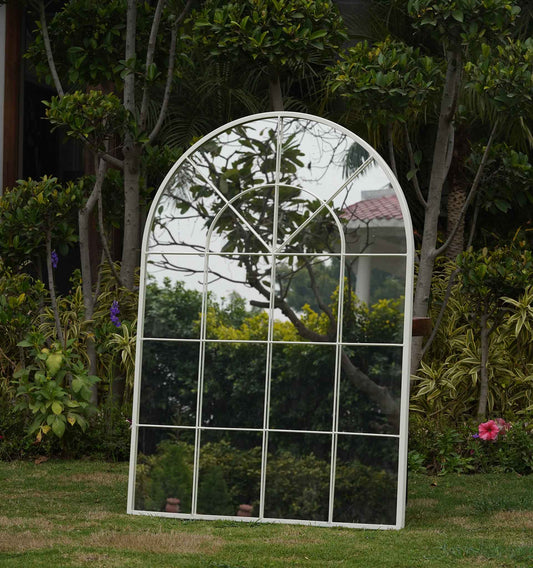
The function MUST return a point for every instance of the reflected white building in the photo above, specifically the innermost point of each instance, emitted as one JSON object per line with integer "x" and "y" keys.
{"x": 375, "y": 224}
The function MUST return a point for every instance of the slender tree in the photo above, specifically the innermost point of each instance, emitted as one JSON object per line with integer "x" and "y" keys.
{"x": 391, "y": 84}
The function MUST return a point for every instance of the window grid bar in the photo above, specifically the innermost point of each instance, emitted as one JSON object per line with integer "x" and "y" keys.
{"x": 264, "y": 342}
{"x": 274, "y": 430}
{"x": 278, "y": 253}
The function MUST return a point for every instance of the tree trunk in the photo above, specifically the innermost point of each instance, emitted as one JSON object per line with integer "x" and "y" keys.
{"x": 131, "y": 238}
{"x": 132, "y": 160}
{"x": 439, "y": 171}
{"x": 483, "y": 369}
{"x": 276, "y": 97}
{"x": 84, "y": 233}
{"x": 456, "y": 199}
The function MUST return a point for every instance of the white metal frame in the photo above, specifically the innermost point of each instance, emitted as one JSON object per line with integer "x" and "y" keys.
{"x": 405, "y": 346}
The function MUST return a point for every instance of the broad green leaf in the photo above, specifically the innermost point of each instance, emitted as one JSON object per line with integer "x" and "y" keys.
{"x": 458, "y": 15}
{"x": 317, "y": 34}
{"x": 58, "y": 427}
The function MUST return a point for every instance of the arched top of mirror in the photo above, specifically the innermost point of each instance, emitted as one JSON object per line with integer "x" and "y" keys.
{"x": 279, "y": 183}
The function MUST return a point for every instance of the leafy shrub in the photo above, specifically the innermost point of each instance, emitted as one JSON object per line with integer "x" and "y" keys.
{"x": 55, "y": 388}
{"x": 20, "y": 300}
{"x": 107, "y": 436}
{"x": 442, "y": 448}
{"x": 447, "y": 385}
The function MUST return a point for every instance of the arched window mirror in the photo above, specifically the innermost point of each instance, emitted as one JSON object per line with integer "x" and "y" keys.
{"x": 274, "y": 331}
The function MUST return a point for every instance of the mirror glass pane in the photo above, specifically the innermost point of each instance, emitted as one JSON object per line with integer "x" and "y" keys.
{"x": 366, "y": 480}
{"x": 164, "y": 476}
{"x": 298, "y": 476}
{"x": 375, "y": 223}
{"x": 379, "y": 410}
{"x": 238, "y": 288}
{"x": 183, "y": 215}
{"x": 234, "y": 384}
{"x": 173, "y": 299}
{"x": 322, "y": 155}
{"x": 230, "y": 473}
{"x": 377, "y": 279}
{"x": 168, "y": 383}
{"x": 302, "y": 385}
{"x": 239, "y": 158}
{"x": 309, "y": 285}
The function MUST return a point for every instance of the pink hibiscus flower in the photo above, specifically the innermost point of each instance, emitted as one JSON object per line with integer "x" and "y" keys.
{"x": 503, "y": 426}
{"x": 488, "y": 430}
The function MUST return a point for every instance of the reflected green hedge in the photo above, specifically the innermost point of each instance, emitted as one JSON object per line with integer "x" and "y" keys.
{"x": 297, "y": 486}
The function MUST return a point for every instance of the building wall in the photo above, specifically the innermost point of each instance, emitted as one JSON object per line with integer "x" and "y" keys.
{"x": 2, "y": 87}
{"x": 11, "y": 56}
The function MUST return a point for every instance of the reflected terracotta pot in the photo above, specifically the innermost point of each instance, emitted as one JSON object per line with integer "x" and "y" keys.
{"x": 173, "y": 505}
{"x": 245, "y": 511}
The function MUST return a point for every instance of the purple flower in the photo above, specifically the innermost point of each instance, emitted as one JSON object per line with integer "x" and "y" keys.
{"x": 55, "y": 259}
{"x": 113, "y": 313}
{"x": 475, "y": 435}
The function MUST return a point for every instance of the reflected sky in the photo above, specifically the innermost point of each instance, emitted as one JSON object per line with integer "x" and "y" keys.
{"x": 211, "y": 189}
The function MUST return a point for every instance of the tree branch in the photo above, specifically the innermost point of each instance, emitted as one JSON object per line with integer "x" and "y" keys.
{"x": 325, "y": 308}
{"x": 474, "y": 224}
{"x": 170, "y": 73}
{"x": 129, "y": 55}
{"x": 48, "y": 50}
{"x": 438, "y": 321}
{"x": 412, "y": 163}
{"x": 103, "y": 239}
{"x": 472, "y": 192}
{"x": 111, "y": 160}
{"x": 150, "y": 59}
{"x": 392, "y": 158}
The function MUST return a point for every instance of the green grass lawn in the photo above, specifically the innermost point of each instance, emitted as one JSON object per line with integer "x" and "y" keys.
{"x": 64, "y": 513}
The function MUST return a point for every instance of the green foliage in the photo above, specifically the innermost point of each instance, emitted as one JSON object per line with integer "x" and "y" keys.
{"x": 30, "y": 211}
{"x": 55, "y": 388}
{"x": 213, "y": 495}
{"x": 20, "y": 299}
{"x": 486, "y": 275}
{"x": 463, "y": 21}
{"x": 241, "y": 470}
{"x": 107, "y": 436}
{"x": 88, "y": 39}
{"x": 92, "y": 117}
{"x": 387, "y": 82}
{"x": 504, "y": 73}
{"x": 507, "y": 183}
{"x": 447, "y": 384}
{"x": 76, "y": 329}
{"x": 454, "y": 447}
{"x": 172, "y": 308}
{"x": 281, "y": 36}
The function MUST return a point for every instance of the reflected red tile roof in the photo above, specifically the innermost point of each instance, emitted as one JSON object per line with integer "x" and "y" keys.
{"x": 387, "y": 207}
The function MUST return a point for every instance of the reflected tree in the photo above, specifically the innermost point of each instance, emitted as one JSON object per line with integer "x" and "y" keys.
{"x": 244, "y": 188}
